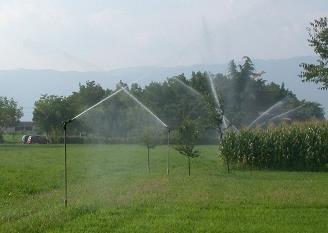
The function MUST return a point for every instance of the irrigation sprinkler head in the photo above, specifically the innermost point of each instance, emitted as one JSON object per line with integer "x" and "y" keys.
{"x": 65, "y": 123}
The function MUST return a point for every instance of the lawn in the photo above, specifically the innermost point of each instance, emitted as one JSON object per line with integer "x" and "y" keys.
{"x": 110, "y": 190}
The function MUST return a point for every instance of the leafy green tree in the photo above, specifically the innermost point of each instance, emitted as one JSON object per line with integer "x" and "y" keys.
{"x": 89, "y": 94}
{"x": 318, "y": 73}
{"x": 308, "y": 110}
{"x": 150, "y": 140}
{"x": 214, "y": 111}
{"x": 136, "y": 90}
{"x": 242, "y": 87}
{"x": 10, "y": 113}
{"x": 245, "y": 95}
{"x": 187, "y": 135}
{"x": 49, "y": 112}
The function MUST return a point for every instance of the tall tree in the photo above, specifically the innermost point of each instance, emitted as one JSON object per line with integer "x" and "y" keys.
{"x": 317, "y": 73}
{"x": 241, "y": 85}
{"x": 88, "y": 94}
{"x": 232, "y": 69}
{"x": 10, "y": 113}
{"x": 214, "y": 113}
{"x": 48, "y": 114}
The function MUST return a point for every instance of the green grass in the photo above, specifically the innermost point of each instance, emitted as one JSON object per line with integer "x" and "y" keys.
{"x": 110, "y": 190}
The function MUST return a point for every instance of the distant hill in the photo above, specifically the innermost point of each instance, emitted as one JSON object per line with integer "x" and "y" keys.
{"x": 26, "y": 86}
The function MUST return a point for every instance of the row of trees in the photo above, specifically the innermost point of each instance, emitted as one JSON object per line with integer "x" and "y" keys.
{"x": 244, "y": 92}
{"x": 243, "y": 97}
{"x": 121, "y": 117}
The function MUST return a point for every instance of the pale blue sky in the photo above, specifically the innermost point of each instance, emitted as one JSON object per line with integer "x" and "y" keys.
{"x": 103, "y": 35}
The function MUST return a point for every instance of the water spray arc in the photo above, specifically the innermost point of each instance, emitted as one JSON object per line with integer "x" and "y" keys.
{"x": 93, "y": 106}
{"x": 159, "y": 120}
{"x": 267, "y": 112}
{"x": 144, "y": 107}
{"x": 225, "y": 122}
{"x": 188, "y": 87}
{"x": 214, "y": 93}
{"x": 67, "y": 122}
{"x": 218, "y": 106}
{"x": 284, "y": 114}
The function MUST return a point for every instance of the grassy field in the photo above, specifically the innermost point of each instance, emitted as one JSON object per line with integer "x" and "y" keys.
{"x": 110, "y": 190}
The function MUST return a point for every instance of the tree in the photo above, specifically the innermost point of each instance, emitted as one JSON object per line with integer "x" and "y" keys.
{"x": 308, "y": 110}
{"x": 243, "y": 89}
{"x": 150, "y": 141}
{"x": 48, "y": 114}
{"x": 187, "y": 135}
{"x": 232, "y": 69}
{"x": 317, "y": 73}
{"x": 213, "y": 119}
{"x": 89, "y": 94}
{"x": 10, "y": 113}
{"x": 136, "y": 90}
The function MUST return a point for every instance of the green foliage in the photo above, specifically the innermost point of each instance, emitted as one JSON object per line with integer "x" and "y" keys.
{"x": 150, "y": 137}
{"x": 88, "y": 94}
{"x": 301, "y": 146}
{"x": 49, "y": 113}
{"x": 186, "y": 139}
{"x": 200, "y": 82}
{"x": 246, "y": 95}
{"x": 318, "y": 73}
{"x": 243, "y": 95}
{"x": 12, "y": 138}
{"x": 10, "y": 113}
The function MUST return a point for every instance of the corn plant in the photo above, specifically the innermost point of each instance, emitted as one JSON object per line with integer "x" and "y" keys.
{"x": 299, "y": 146}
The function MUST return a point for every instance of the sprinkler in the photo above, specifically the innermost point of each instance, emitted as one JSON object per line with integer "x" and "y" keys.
{"x": 168, "y": 150}
{"x": 65, "y": 123}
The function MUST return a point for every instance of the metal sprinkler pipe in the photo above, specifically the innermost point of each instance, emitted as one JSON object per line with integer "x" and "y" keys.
{"x": 65, "y": 123}
{"x": 168, "y": 151}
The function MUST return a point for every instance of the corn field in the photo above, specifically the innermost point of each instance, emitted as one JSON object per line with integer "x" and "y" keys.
{"x": 299, "y": 146}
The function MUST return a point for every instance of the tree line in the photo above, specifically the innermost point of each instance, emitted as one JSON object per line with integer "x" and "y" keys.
{"x": 243, "y": 94}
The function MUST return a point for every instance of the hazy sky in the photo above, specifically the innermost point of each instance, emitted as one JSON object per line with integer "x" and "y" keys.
{"x": 92, "y": 35}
